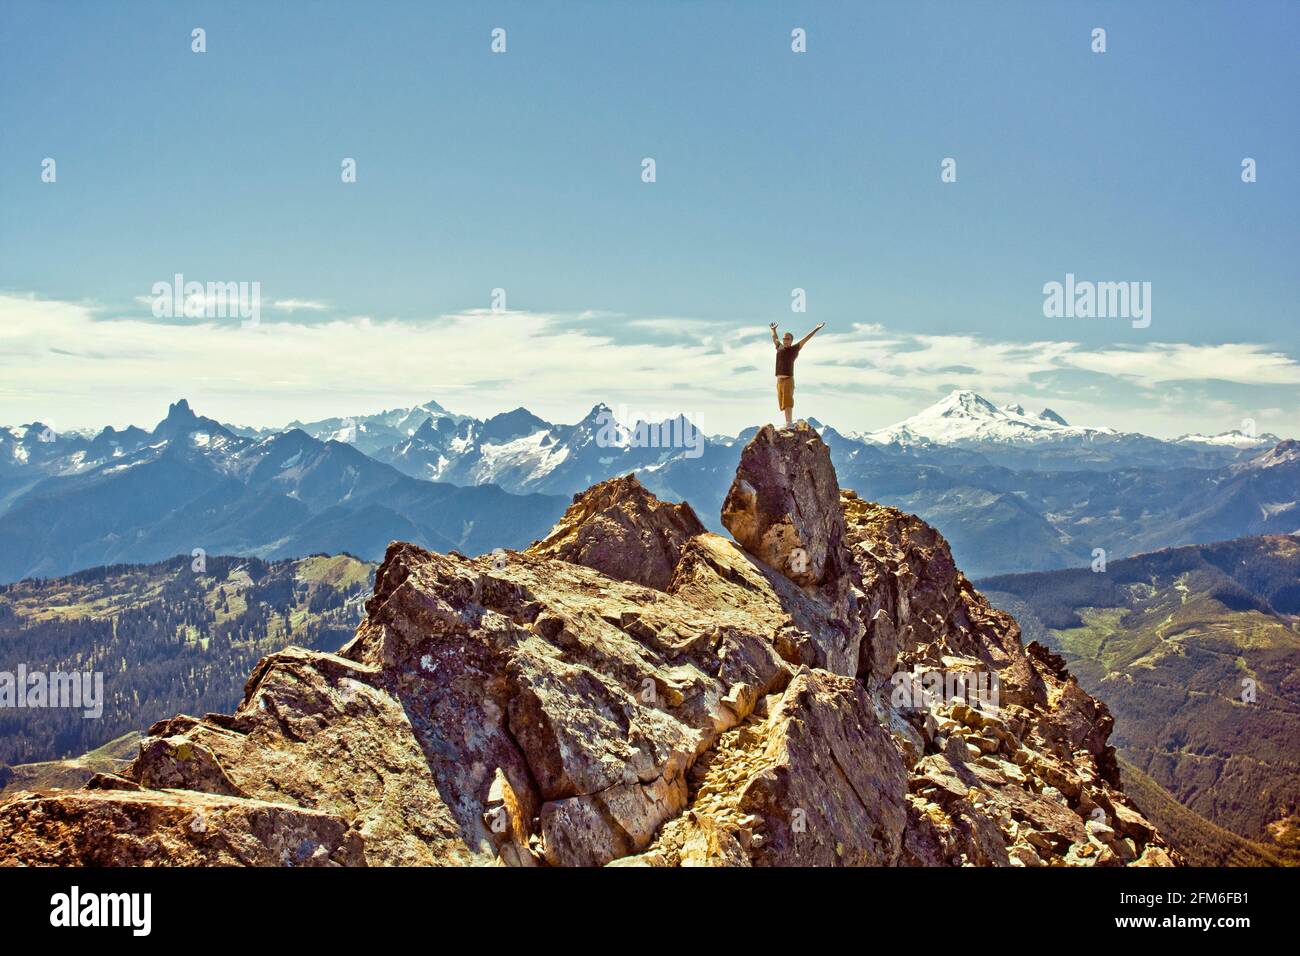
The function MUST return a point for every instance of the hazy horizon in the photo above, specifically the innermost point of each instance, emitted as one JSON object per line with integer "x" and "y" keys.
{"x": 624, "y": 413}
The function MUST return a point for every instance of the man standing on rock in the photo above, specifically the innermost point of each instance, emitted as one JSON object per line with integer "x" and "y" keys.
{"x": 787, "y": 350}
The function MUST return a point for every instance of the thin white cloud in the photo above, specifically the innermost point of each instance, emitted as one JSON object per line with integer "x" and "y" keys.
{"x": 674, "y": 326}
{"x": 299, "y": 305}
{"x": 211, "y": 298}
{"x": 1163, "y": 362}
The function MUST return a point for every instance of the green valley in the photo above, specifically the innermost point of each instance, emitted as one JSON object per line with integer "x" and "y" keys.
{"x": 1196, "y": 651}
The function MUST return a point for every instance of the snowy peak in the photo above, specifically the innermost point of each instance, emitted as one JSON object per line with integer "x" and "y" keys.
{"x": 373, "y": 434}
{"x": 965, "y": 417}
{"x": 964, "y": 404}
{"x": 1231, "y": 439}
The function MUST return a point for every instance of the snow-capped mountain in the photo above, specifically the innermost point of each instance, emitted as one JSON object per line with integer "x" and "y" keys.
{"x": 966, "y": 418}
{"x": 1011, "y": 437}
{"x": 30, "y": 452}
{"x": 192, "y": 483}
{"x": 1011, "y": 489}
{"x": 370, "y": 433}
{"x": 516, "y": 445}
{"x": 520, "y": 452}
{"x": 1231, "y": 439}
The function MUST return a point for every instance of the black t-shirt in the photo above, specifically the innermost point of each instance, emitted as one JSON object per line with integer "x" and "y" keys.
{"x": 785, "y": 356}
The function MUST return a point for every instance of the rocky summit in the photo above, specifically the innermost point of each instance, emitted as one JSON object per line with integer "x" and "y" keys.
{"x": 634, "y": 690}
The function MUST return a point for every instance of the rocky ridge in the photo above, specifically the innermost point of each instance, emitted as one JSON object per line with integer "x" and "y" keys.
{"x": 636, "y": 691}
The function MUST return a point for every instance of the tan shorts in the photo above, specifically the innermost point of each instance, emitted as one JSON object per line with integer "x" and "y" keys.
{"x": 785, "y": 392}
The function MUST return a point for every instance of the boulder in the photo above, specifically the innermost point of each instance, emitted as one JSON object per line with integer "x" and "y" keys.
{"x": 783, "y": 506}
{"x": 620, "y": 529}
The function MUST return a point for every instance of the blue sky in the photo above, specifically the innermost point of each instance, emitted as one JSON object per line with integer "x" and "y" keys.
{"x": 775, "y": 170}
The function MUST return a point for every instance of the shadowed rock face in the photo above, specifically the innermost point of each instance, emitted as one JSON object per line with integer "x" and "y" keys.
{"x": 634, "y": 690}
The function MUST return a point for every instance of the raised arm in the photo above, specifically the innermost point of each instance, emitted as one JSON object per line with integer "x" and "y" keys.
{"x": 804, "y": 341}
{"x": 775, "y": 340}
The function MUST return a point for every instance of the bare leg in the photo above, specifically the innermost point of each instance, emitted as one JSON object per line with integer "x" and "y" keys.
{"x": 788, "y": 412}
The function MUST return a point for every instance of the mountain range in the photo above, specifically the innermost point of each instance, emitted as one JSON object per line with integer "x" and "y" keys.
{"x": 1012, "y": 490}
{"x": 191, "y": 483}
{"x": 1014, "y": 438}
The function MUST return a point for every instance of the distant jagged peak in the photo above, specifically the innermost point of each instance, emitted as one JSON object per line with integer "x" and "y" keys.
{"x": 379, "y": 427}
{"x": 1283, "y": 453}
{"x": 182, "y": 421}
{"x": 180, "y": 410}
{"x": 435, "y": 407}
{"x": 516, "y": 423}
{"x": 827, "y": 432}
{"x": 289, "y": 438}
{"x": 33, "y": 433}
{"x": 600, "y": 416}
{"x": 441, "y": 425}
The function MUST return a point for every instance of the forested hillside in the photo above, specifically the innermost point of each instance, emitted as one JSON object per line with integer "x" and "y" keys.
{"x": 1197, "y": 653}
{"x": 166, "y": 637}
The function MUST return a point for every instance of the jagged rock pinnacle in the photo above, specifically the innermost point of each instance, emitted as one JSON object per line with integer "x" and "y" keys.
{"x": 784, "y": 505}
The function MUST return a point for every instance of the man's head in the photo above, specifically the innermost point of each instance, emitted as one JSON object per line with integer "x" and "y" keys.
{"x": 788, "y": 338}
